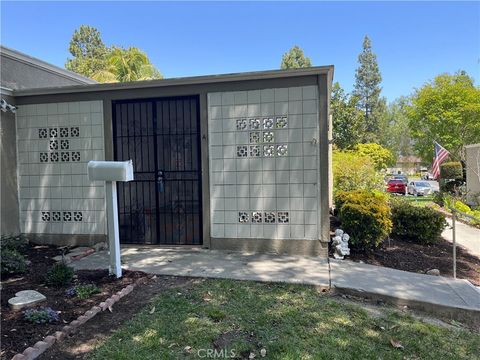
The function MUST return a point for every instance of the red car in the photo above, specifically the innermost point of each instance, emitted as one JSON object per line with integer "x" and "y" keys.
{"x": 396, "y": 186}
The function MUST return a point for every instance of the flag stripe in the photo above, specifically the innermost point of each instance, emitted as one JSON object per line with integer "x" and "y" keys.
{"x": 440, "y": 154}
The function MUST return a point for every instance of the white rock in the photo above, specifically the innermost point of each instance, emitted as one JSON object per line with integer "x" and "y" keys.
{"x": 25, "y": 298}
{"x": 434, "y": 272}
{"x": 100, "y": 246}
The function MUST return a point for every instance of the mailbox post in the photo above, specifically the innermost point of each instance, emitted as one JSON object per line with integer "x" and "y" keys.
{"x": 111, "y": 172}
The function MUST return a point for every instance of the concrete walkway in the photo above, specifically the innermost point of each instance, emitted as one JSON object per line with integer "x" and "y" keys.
{"x": 458, "y": 298}
{"x": 466, "y": 236}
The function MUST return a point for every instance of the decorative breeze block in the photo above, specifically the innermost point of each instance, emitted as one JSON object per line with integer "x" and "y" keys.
{"x": 257, "y": 217}
{"x": 75, "y": 155}
{"x": 64, "y": 144}
{"x": 45, "y": 216}
{"x": 268, "y": 136}
{"x": 243, "y": 217}
{"x": 282, "y": 150}
{"x": 242, "y": 151}
{"x": 281, "y": 122}
{"x": 269, "y": 150}
{"x": 53, "y": 145}
{"x": 270, "y": 217}
{"x": 77, "y": 216}
{"x": 67, "y": 216}
{"x": 43, "y": 157}
{"x": 64, "y": 132}
{"x": 241, "y": 124}
{"x": 268, "y": 123}
{"x": 254, "y": 137}
{"x": 54, "y": 157}
{"x": 75, "y": 131}
{"x": 254, "y": 124}
{"x": 282, "y": 217}
{"x": 56, "y": 216}
{"x": 53, "y": 132}
{"x": 42, "y": 133}
{"x": 255, "y": 151}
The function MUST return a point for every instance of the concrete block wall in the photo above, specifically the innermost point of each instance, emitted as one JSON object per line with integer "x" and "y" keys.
{"x": 55, "y": 141}
{"x": 263, "y": 157}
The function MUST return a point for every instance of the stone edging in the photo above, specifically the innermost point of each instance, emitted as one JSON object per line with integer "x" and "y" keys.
{"x": 40, "y": 347}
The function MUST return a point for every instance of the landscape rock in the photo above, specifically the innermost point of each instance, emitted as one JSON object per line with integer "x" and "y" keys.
{"x": 26, "y": 298}
{"x": 434, "y": 272}
{"x": 100, "y": 246}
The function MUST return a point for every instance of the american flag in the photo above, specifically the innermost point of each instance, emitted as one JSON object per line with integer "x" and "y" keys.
{"x": 440, "y": 154}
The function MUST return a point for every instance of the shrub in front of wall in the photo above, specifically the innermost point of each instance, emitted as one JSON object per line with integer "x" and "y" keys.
{"x": 13, "y": 242}
{"x": 12, "y": 262}
{"x": 421, "y": 225}
{"x": 451, "y": 170}
{"x": 365, "y": 216}
{"x": 59, "y": 275}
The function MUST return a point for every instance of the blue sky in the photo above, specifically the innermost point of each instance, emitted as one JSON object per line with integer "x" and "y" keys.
{"x": 413, "y": 41}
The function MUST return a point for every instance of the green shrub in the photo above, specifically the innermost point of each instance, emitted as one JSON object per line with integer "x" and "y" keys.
{"x": 421, "y": 225}
{"x": 365, "y": 216}
{"x": 85, "y": 291}
{"x": 12, "y": 262}
{"x": 59, "y": 275}
{"x": 352, "y": 171}
{"x": 439, "y": 198}
{"x": 41, "y": 316}
{"x": 451, "y": 170}
{"x": 13, "y": 242}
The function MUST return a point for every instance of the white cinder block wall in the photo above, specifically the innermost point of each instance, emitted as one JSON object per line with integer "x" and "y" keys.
{"x": 54, "y": 144}
{"x": 263, "y": 153}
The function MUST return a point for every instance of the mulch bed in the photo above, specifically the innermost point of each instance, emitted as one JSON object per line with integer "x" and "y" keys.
{"x": 18, "y": 334}
{"x": 408, "y": 256}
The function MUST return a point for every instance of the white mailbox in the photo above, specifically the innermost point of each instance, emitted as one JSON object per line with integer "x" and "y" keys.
{"x": 110, "y": 170}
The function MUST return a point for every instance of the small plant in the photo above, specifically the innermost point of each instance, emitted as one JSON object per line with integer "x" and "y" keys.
{"x": 18, "y": 243}
{"x": 59, "y": 275}
{"x": 12, "y": 262}
{"x": 71, "y": 292}
{"x": 419, "y": 224}
{"x": 85, "y": 291}
{"x": 41, "y": 316}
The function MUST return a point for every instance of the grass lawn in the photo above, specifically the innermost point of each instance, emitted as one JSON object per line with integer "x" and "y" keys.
{"x": 288, "y": 321}
{"x": 419, "y": 200}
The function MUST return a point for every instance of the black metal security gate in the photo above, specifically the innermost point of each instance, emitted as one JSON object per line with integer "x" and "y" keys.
{"x": 162, "y": 137}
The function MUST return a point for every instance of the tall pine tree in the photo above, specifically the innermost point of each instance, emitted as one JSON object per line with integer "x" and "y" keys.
{"x": 367, "y": 89}
{"x": 294, "y": 59}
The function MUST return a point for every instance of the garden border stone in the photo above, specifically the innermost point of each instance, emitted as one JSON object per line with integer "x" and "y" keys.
{"x": 41, "y": 346}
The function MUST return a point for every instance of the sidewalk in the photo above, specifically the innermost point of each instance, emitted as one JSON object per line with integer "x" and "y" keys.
{"x": 466, "y": 236}
{"x": 456, "y": 298}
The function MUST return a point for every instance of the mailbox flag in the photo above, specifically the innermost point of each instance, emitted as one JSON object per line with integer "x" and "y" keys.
{"x": 440, "y": 154}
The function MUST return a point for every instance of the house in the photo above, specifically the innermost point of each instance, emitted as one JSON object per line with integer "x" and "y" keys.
{"x": 409, "y": 165}
{"x": 472, "y": 162}
{"x": 234, "y": 161}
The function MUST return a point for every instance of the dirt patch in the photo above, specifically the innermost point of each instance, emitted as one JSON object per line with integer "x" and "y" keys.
{"x": 407, "y": 256}
{"x": 17, "y": 333}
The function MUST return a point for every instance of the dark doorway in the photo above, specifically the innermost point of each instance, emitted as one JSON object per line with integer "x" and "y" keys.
{"x": 163, "y": 204}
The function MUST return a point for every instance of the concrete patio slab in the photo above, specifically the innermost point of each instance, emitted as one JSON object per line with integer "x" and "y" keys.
{"x": 457, "y": 299}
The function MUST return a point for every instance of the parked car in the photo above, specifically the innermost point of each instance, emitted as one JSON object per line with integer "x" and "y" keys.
{"x": 419, "y": 188}
{"x": 402, "y": 177}
{"x": 396, "y": 186}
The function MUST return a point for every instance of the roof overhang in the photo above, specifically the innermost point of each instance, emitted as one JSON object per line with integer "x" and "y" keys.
{"x": 195, "y": 80}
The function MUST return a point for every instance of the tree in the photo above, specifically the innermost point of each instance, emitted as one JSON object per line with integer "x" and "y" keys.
{"x": 367, "y": 89}
{"x": 354, "y": 171}
{"x": 88, "y": 51}
{"x": 394, "y": 129}
{"x": 347, "y": 119}
{"x": 446, "y": 110}
{"x": 129, "y": 64}
{"x": 92, "y": 58}
{"x": 294, "y": 59}
{"x": 380, "y": 156}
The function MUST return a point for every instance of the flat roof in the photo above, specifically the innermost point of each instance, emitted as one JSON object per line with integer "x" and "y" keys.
{"x": 194, "y": 80}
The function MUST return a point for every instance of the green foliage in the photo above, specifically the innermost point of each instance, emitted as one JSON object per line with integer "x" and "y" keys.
{"x": 13, "y": 242}
{"x": 394, "y": 131}
{"x": 381, "y": 157}
{"x": 365, "y": 216}
{"x": 452, "y": 202}
{"x": 451, "y": 170}
{"x": 85, "y": 291}
{"x": 294, "y": 59}
{"x": 447, "y": 110}
{"x": 12, "y": 262}
{"x": 125, "y": 65}
{"x": 92, "y": 58}
{"x": 59, "y": 275}
{"x": 346, "y": 118}
{"x": 421, "y": 225}
{"x": 367, "y": 89}
{"x": 41, "y": 316}
{"x": 352, "y": 171}
{"x": 88, "y": 51}
{"x": 439, "y": 198}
